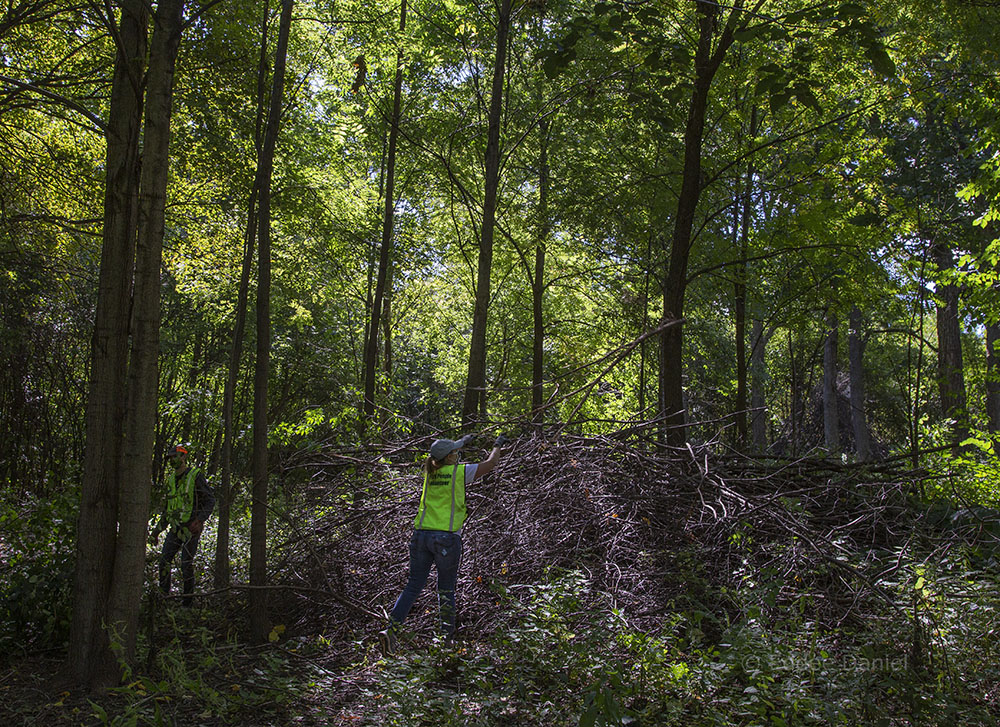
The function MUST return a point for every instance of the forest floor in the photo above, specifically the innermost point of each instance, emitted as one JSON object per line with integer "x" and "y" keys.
{"x": 602, "y": 582}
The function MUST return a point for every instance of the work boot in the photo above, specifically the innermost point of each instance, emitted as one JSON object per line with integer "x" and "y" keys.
{"x": 387, "y": 641}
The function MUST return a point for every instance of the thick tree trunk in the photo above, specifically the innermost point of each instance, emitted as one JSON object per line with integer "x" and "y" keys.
{"x": 385, "y": 253}
{"x": 831, "y": 420}
{"x": 143, "y": 390}
{"x": 538, "y": 280}
{"x": 95, "y": 553}
{"x": 259, "y": 624}
{"x": 475, "y": 385}
{"x": 707, "y": 63}
{"x": 226, "y": 489}
{"x": 951, "y": 372}
{"x": 859, "y": 413}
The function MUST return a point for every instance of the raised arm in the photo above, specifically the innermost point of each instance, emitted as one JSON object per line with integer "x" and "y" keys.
{"x": 487, "y": 465}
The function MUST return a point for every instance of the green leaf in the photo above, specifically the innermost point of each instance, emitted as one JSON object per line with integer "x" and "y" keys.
{"x": 866, "y": 219}
{"x": 850, "y": 10}
{"x": 553, "y": 64}
{"x": 805, "y": 96}
{"x": 779, "y": 101}
{"x": 881, "y": 61}
{"x": 745, "y": 35}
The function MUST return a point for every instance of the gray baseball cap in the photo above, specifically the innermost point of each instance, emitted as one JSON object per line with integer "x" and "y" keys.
{"x": 441, "y": 448}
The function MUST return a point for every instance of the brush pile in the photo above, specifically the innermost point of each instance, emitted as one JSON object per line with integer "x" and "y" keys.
{"x": 653, "y": 530}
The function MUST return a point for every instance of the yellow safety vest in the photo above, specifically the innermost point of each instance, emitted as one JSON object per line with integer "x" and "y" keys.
{"x": 180, "y": 496}
{"x": 442, "y": 502}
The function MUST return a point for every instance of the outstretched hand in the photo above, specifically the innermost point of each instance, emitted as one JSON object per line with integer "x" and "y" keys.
{"x": 501, "y": 441}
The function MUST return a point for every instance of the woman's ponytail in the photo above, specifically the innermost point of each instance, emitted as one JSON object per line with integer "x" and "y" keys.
{"x": 431, "y": 465}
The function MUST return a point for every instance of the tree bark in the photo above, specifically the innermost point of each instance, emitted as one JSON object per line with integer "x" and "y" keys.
{"x": 143, "y": 390}
{"x": 89, "y": 653}
{"x": 795, "y": 397}
{"x": 831, "y": 420}
{"x": 740, "y": 297}
{"x": 758, "y": 383}
{"x": 474, "y": 402}
{"x": 707, "y": 62}
{"x": 951, "y": 372}
{"x": 538, "y": 280}
{"x": 859, "y": 412}
{"x": 259, "y": 624}
{"x": 226, "y": 490}
{"x": 993, "y": 380}
{"x": 385, "y": 253}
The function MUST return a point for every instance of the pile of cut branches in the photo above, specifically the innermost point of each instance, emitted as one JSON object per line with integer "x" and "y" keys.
{"x": 651, "y": 528}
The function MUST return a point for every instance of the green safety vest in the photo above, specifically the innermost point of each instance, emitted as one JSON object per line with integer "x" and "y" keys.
{"x": 180, "y": 496}
{"x": 442, "y": 502}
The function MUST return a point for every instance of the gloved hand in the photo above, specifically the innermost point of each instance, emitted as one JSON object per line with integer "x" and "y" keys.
{"x": 501, "y": 441}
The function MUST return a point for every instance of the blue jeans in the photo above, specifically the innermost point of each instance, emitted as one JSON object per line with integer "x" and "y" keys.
{"x": 444, "y": 551}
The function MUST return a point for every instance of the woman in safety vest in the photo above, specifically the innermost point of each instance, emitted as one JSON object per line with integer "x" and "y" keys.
{"x": 437, "y": 534}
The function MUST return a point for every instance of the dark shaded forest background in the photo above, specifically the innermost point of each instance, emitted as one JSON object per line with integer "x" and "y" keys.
{"x": 727, "y": 274}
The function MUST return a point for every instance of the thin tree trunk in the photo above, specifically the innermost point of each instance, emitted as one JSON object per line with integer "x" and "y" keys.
{"x": 740, "y": 335}
{"x": 538, "y": 281}
{"x": 758, "y": 382}
{"x": 385, "y": 253}
{"x": 259, "y": 624}
{"x": 643, "y": 356}
{"x": 706, "y": 62}
{"x": 795, "y": 391}
{"x": 859, "y": 413}
{"x": 386, "y": 322}
{"x": 187, "y": 422}
{"x": 993, "y": 380}
{"x": 225, "y": 493}
{"x": 740, "y": 307}
{"x": 475, "y": 385}
{"x": 140, "y": 422}
{"x": 97, "y": 527}
{"x": 951, "y": 373}
{"x": 831, "y": 419}
{"x": 915, "y": 369}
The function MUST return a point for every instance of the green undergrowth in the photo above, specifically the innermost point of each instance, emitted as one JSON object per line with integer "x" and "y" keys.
{"x": 563, "y": 654}
{"x": 901, "y": 631}
{"x": 568, "y": 657}
{"x": 194, "y": 676}
{"x": 37, "y": 540}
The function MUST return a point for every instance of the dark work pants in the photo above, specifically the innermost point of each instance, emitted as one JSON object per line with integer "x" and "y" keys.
{"x": 187, "y": 548}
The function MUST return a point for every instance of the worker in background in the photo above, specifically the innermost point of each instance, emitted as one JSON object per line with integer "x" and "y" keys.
{"x": 189, "y": 502}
